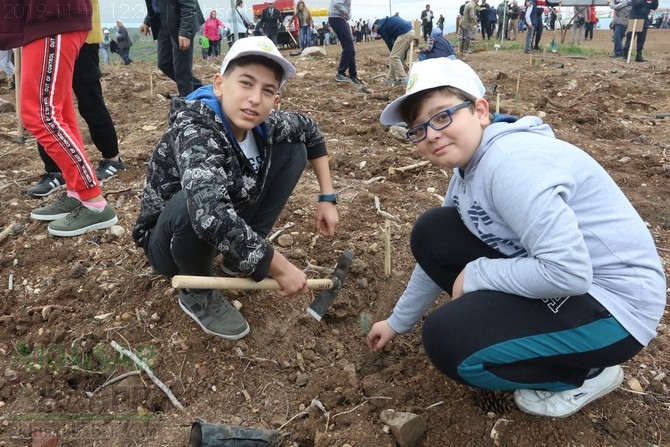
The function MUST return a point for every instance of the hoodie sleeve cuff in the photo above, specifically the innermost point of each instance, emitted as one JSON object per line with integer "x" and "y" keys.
{"x": 263, "y": 267}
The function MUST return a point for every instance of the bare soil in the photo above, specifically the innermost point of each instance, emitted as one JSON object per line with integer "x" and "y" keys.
{"x": 64, "y": 300}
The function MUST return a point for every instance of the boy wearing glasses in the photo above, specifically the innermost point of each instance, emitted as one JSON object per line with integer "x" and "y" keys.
{"x": 553, "y": 276}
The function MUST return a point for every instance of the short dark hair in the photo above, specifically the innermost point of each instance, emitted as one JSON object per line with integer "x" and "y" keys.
{"x": 256, "y": 59}
{"x": 409, "y": 109}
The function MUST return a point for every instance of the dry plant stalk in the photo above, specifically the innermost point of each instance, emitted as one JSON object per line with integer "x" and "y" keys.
{"x": 387, "y": 248}
{"x": 147, "y": 370}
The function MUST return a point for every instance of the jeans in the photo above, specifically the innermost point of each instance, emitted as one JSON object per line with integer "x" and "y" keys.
{"x": 619, "y": 31}
{"x": 125, "y": 55}
{"x": 348, "y": 57}
{"x": 529, "y": 38}
{"x": 305, "y": 37}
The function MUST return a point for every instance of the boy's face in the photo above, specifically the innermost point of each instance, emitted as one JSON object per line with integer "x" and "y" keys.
{"x": 454, "y": 145}
{"x": 247, "y": 95}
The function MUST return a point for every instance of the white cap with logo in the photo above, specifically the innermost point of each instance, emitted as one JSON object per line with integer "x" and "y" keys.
{"x": 259, "y": 46}
{"x": 432, "y": 73}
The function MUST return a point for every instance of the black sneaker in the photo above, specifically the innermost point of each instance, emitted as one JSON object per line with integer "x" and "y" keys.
{"x": 49, "y": 183}
{"x": 343, "y": 78}
{"x": 109, "y": 168}
{"x": 214, "y": 313}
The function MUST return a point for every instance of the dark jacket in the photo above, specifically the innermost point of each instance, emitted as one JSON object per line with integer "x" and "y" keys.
{"x": 390, "y": 28}
{"x": 640, "y": 9}
{"x": 23, "y": 21}
{"x": 197, "y": 151}
{"x": 270, "y": 22}
{"x": 123, "y": 39}
{"x": 179, "y": 17}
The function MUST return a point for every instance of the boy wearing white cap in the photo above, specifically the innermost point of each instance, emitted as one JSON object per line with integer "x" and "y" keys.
{"x": 220, "y": 177}
{"x": 553, "y": 276}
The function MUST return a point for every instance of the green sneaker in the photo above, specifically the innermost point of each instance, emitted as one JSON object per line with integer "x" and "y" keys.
{"x": 60, "y": 207}
{"x": 81, "y": 220}
{"x": 214, "y": 313}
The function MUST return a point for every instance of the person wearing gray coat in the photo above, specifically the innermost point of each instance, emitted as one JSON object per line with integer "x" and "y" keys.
{"x": 620, "y": 23}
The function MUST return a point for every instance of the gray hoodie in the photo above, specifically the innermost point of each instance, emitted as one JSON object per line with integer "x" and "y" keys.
{"x": 563, "y": 222}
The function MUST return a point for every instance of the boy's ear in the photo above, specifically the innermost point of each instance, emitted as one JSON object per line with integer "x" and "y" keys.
{"x": 482, "y": 111}
{"x": 216, "y": 83}
{"x": 277, "y": 98}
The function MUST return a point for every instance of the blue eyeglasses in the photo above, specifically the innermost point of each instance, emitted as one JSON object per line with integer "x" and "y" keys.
{"x": 439, "y": 121}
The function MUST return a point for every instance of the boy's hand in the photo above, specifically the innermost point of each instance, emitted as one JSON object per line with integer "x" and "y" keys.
{"x": 144, "y": 29}
{"x": 327, "y": 218}
{"x": 380, "y": 334}
{"x": 292, "y": 280}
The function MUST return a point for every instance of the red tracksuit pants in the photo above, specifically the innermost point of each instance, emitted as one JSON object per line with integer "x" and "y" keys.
{"x": 48, "y": 111}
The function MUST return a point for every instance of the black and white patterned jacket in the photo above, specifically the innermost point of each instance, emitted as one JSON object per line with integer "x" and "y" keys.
{"x": 196, "y": 154}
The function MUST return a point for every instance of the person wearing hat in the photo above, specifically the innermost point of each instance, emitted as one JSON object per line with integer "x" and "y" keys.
{"x": 104, "y": 46}
{"x": 552, "y": 287}
{"x": 221, "y": 175}
{"x": 270, "y": 21}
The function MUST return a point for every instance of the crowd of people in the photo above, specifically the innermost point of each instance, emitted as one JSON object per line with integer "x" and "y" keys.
{"x": 547, "y": 297}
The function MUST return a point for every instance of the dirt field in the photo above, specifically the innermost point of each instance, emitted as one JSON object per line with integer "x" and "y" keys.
{"x": 99, "y": 287}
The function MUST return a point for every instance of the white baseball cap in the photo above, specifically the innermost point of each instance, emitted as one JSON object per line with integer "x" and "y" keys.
{"x": 432, "y": 73}
{"x": 260, "y": 46}
{"x": 106, "y": 31}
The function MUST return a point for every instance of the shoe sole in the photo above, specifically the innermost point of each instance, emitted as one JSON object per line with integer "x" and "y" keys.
{"x": 595, "y": 396}
{"x": 227, "y": 337}
{"x": 48, "y": 217}
{"x": 80, "y": 231}
{"x": 44, "y": 194}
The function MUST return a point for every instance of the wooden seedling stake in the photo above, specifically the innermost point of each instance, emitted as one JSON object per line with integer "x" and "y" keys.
{"x": 387, "y": 248}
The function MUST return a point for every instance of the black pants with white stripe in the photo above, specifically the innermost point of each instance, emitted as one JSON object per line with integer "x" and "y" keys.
{"x": 498, "y": 341}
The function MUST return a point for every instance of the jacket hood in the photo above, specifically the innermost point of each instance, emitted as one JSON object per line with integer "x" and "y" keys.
{"x": 504, "y": 125}
{"x": 206, "y": 95}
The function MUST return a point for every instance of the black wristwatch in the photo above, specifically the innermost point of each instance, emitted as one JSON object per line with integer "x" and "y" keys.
{"x": 332, "y": 198}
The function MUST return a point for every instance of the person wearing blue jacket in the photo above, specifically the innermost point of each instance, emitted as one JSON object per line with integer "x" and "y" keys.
{"x": 640, "y": 10}
{"x": 437, "y": 46}
{"x": 554, "y": 277}
{"x": 398, "y": 35}
{"x": 221, "y": 175}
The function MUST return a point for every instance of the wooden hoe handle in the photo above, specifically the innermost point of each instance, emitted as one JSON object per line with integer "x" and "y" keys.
{"x": 213, "y": 282}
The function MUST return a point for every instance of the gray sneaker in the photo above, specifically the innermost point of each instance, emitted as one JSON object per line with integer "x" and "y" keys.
{"x": 58, "y": 208}
{"x": 82, "y": 220}
{"x": 214, "y": 313}
{"x": 49, "y": 183}
{"x": 109, "y": 168}
{"x": 343, "y": 78}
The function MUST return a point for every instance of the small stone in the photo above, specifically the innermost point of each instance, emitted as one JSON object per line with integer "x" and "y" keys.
{"x": 237, "y": 304}
{"x": 155, "y": 317}
{"x": 285, "y": 240}
{"x": 117, "y": 231}
{"x": 406, "y": 427}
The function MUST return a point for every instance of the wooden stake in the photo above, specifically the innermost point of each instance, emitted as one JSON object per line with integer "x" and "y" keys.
{"x": 387, "y": 248}
{"x": 497, "y": 102}
{"x": 20, "y": 136}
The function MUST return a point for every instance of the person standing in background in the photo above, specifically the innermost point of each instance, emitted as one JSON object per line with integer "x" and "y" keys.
{"x": 104, "y": 47}
{"x": 124, "y": 42}
{"x": 7, "y": 67}
{"x": 91, "y": 104}
{"x": 174, "y": 25}
{"x": 240, "y": 19}
{"x": 467, "y": 25}
{"x": 640, "y": 10}
{"x": 304, "y": 23}
{"x": 440, "y": 22}
{"x": 483, "y": 13}
{"x": 620, "y": 22}
{"x": 427, "y": 17}
{"x": 211, "y": 31}
{"x": 50, "y": 45}
{"x": 339, "y": 13}
{"x": 270, "y": 21}
{"x": 591, "y": 21}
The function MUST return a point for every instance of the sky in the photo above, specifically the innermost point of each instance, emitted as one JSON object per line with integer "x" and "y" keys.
{"x": 131, "y": 13}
